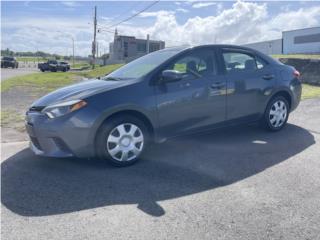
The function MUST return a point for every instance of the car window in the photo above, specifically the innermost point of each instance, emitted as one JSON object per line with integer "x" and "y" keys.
{"x": 260, "y": 63}
{"x": 195, "y": 64}
{"x": 240, "y": 62}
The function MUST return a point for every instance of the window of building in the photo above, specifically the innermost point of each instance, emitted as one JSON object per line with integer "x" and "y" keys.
{"x": 142, "y": 47}
{"x": 125, "y": 46}
{"x": 307, "y": 38}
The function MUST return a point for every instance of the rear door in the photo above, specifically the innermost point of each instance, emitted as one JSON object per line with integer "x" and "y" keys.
{"x": 250, "y": 81}
{"x": 195, "y": 101}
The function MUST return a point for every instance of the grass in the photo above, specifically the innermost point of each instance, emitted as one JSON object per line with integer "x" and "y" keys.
{"x": 100, "y": 71}
{"x": 310, "y": 91}
{"x": 46, "y": 82}
{"x": 9, "y": 117}
{"x": 30, "y": 59}
{"x": 301, "y": 56}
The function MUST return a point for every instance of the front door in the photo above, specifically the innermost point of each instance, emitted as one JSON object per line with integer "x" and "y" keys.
{"x": 195, "y": 101}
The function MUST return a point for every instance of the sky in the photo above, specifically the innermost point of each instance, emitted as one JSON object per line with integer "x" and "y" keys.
{"x": 49, "y": 26}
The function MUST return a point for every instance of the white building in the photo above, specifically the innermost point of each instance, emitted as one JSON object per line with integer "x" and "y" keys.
{"x": 267, "y": 47}
{"x": 305, "y": 40}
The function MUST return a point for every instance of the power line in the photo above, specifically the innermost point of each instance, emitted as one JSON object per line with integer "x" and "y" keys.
{"x": 132, "y": 16}
{"x": 132, "y": 6}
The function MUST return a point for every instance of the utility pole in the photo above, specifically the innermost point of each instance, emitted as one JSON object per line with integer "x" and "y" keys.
{"x": 72, "y": 51}
{"x": 94, "y": 37}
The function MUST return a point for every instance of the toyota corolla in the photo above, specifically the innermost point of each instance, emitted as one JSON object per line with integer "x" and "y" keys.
{"x": 161, "y": 95}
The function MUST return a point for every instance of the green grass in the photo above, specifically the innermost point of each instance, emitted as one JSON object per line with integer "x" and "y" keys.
{"x": 80, "y": 65}
{"x": 46, "y": 82}
{"x": 9, "y": 117}
{"x": 310, "y": 91}
{"x": 100, "y": 71}
{"x": 301, "y": 56}
{"x": 30, "y": 59}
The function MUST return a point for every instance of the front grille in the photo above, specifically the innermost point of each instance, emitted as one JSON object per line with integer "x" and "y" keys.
{"x": 35, "y": 142}
{"x": 36, "y": 108}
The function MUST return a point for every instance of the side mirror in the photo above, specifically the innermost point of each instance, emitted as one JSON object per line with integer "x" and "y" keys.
{"x": 171, "y": 75}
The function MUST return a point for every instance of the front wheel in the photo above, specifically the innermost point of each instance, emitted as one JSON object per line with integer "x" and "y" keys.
{"x": 122, "y": 140}
{"x": 276, "y": 114}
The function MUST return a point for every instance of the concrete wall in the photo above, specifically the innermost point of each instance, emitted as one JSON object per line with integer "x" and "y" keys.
{"x": 301, "y": 41}
{"x": 267, "y": 47}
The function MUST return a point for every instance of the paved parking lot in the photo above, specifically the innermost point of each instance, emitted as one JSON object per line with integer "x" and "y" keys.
{"x": 9, "y": 72}
{"x": 241, "y": 183}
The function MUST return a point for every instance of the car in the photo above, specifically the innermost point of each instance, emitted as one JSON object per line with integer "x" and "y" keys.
{"x": 9, "y": 62}
{"x": 164, "y": 94}
{"x": 64, "y": 66}
{"x": 54, "y": 66}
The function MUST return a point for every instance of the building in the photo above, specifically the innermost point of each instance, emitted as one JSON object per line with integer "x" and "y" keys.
{"x": 267, "y": 47}
{"x": 127, "y": 48}
{"x": 305, "y": 40}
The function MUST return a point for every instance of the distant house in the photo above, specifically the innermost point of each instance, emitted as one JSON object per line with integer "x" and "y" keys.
{"x": 127, "y": 48}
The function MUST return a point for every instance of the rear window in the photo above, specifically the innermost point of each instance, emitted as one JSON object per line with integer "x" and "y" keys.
{"x": 236, "y": 62}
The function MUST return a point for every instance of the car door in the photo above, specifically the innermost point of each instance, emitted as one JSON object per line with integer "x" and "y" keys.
{"x": 196, "y": 100}
{"x": 249, "y": 82}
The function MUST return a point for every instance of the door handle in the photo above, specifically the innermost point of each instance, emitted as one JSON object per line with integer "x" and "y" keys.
{"x": 217, "y": 85}
{"x": 268, "y": 76}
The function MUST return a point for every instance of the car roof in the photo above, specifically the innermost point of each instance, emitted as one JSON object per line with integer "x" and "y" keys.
{"x": 186, "y": 47}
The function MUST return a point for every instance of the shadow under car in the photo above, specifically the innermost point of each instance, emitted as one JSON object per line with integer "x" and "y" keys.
{"x": 37, "y": 186}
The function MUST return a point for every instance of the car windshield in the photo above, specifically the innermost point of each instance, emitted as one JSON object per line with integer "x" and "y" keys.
{"x": 142, "y": 66}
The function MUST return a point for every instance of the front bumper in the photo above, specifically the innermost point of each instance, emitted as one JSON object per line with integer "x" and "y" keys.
{"x": 66, "y": 136}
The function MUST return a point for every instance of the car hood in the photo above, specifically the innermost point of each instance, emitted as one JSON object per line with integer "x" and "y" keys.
{"x": 78, "y": 91}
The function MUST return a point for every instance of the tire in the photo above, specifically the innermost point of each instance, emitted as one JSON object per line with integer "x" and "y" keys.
{"x": 42, "y": 70}
{"x": 276, "y": 114}
{"x": 64, "y": 70}
{"x": 122, "y": 149}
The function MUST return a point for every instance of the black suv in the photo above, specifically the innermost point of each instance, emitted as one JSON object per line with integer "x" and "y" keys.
{"x": 9, "y": 62}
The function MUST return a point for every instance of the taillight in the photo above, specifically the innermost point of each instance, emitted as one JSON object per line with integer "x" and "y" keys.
{"x": 296, "y": 73}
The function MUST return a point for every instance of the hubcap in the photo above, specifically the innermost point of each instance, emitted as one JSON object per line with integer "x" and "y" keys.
{"x": 278, "y": 114}
{"x": 125, "y": 142}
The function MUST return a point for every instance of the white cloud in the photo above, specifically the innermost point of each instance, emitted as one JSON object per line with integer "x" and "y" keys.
{"x": 244, "y": 22}
{"x": 155, "y": 14}
{"x": 70, "y": 3}
{"x": 203, "y": 4}
{"x": 183, "y": 10}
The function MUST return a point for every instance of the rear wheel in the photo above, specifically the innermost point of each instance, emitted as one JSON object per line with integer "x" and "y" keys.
{"x": 122, "y": 140}
{"x": 276, "y": 114}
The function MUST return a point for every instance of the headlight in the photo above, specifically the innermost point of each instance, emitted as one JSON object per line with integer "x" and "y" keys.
{"x": 60, "y": 109}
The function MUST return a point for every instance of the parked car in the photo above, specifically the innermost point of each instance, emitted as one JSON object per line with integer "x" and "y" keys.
{"x": 9, "y": 62}
{"x": 164, "y": 94}
{"x": 54, "y": 66}
{"x": 64, "y": 66}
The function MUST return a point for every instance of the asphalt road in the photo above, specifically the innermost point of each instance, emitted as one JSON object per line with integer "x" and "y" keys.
{"x": 241, "y": 183}
{"x": 9, "y": 72}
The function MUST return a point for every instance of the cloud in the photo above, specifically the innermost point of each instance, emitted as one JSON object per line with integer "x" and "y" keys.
{"x": 183, "y": 10}
{"x": 70, "y": 3}
{"x": 155, "y": 14}
{"x": 241, "y": 23}
{"x": 244, "y": 22}
{"x": 203, "y": 4}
